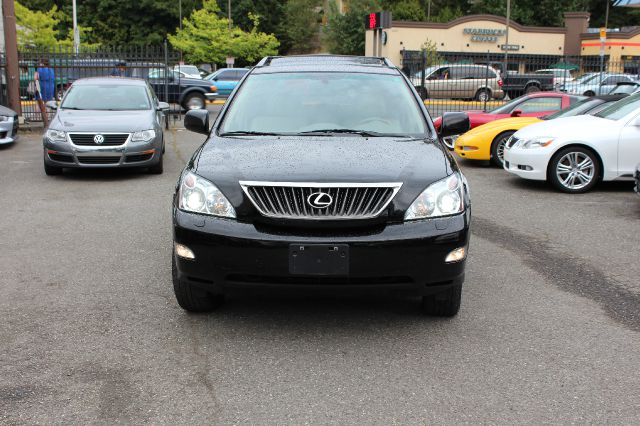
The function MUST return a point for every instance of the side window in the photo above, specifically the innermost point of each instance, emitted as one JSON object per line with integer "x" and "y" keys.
{"x": 440, "y": 74}
{"x": 235, "y": 75}
{"x": 483, "y": 72}
{"x": 540, "y": 105}
{"x": 614, "y": 79}
{"x": 459, "y": 73}
{"x": 225, "y": 75}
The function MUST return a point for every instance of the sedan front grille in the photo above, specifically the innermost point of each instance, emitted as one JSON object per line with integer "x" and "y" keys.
{"x": 320, "y": 201}
{"x": 108, "y": 139}
{"x": 98, "y": 160}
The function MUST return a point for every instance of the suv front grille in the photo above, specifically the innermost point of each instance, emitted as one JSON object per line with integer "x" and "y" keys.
{"x": 110, "y": 139}
{"x": 320, "y": 201}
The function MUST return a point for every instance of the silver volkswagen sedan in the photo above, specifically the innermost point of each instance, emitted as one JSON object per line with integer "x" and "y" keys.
{"x": 106, "y": 122}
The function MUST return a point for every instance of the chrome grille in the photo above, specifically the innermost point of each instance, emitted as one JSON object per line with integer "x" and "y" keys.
{"x": 291, "y": 200}
{"x": 110, "y": 139}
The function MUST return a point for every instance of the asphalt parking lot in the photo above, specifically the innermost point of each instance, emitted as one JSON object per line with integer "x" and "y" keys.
{"x": 548, "y": 333}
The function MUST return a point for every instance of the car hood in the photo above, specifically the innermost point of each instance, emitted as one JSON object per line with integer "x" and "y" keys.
{"x": 578, "y": 127}
{"x": 102, "y": 121}
{"x": 414, "y": 163}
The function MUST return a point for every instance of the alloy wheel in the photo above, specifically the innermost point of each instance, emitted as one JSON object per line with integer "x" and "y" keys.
{"x": 575, "y": 170}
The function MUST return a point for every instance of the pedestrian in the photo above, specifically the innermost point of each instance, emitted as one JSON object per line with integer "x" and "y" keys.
{"x": 45, "y": 81}
{"x": 120, "y": 70}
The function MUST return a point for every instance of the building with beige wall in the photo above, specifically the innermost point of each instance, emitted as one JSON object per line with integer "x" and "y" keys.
{"x": 482, "y": 38}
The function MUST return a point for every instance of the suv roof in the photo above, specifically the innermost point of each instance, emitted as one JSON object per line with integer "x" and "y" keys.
{"x": 336, "y": 63}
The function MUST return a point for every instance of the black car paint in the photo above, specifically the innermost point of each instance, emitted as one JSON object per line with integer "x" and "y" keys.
{"x": 251, "y": 250}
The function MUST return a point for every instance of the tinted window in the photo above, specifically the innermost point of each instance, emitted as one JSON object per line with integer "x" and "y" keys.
{"x": 461, "y": 73}
{"x": 483, "y": 72}
{"x": 302, "y": 102}
{"x": 540, "y": 105}
{"x": 226, "y": 75}
{"x": 621, "y": 108}
{"x": 107, "y": 97}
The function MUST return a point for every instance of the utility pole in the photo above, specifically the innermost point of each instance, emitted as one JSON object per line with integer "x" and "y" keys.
{"x": 11, "y": 50}
{"x": 429, "y": 11}
{"x": 506, "y": 39}
{"x": 229, "y": 12}
{"x": 76, "y": 32}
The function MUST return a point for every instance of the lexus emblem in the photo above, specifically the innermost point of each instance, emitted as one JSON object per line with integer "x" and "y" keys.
{"x": 98, "y": 139}
{"x": 320, "y": 200}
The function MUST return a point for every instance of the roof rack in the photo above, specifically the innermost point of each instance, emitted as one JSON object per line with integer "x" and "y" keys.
{"x": 324, "y": 59}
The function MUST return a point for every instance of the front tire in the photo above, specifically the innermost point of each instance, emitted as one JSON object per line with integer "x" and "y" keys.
{"x": 589, "y": 93}
{"x": 444, "y": 304}
{"x": 497, "y": 148}
{"x": 531, "y": 89}
{"x": 194, "y": 101}
{"x": 52, "y": 170}
{"x": 422, "y": 92}
{"x": 574, "y": 170}
{"x": 157, "y": 168}
{"x": 191, "y": 298}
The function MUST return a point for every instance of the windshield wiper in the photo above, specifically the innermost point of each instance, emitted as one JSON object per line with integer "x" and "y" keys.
{"x": 74, "y": 108}
{"x": 350, "y": 131}
{"x": 249, "y": 133}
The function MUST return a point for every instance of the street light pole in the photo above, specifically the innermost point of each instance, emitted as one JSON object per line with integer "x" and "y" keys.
{"x": 76, "y": 33}
{"x": 506, "y": 39}
{"x": 229, "y": 12}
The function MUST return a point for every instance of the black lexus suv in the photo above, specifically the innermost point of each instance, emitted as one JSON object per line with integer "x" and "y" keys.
{"x": 322, "y": 173}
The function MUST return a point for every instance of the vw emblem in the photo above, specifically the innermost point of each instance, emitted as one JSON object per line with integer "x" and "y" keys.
{"x": 320, "y": 200}
{"x": 98, "y": 139}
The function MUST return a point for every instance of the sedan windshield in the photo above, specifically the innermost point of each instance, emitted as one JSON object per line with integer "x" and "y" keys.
{"x": 107, "y": 97}
{"x": 325, "y": 103}
{"x": 621, "y": 108}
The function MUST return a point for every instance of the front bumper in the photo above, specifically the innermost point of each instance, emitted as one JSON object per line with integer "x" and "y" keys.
{"x": 404, "y": 257}
{"x": 472, "y": 149}
{"x": 8, "y": 131}
{"x": 130, "y": 154}
{"x": 527, "y": 163}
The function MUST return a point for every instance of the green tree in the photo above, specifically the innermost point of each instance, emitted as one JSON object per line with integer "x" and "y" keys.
{"x": 407, "y": 10}
{"x": 206, "y": 38}
{"x": 345, "y": 33}
{"x": 36, "y": 28}
{"x": 300, "y": 25}
{"x": 430, "y": 51}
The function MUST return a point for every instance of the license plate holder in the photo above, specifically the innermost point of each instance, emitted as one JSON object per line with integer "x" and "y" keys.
{"x": 319, "y": 259}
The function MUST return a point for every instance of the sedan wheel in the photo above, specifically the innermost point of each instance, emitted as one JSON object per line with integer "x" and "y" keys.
{"x": 574, "y": 170}
{"x": 497, "y": 148}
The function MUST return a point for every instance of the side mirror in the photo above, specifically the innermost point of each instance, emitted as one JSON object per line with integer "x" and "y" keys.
{"x": 53, "y": 105}
{"x": 516, "y": 113}
{"x": 197, "y": 120}
{"x": 163, "y": 106}
{"x": 454, "y": 123}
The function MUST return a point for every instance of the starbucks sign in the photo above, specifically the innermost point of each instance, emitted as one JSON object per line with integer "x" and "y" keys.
{"x": 484, "y": 35}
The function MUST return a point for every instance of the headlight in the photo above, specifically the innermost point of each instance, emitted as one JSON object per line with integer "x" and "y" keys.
{"x": 198, "y": 195}
{"x": 442, "y": 198}
{"x": 4, "y": 118}
{"x": 56, "y": 135}
{"x": 143, "y": 136}
{"x": 538, "y": 142}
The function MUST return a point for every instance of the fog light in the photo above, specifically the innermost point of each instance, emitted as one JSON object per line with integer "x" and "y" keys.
{"x": 184, "y": 252}
{"x": 457, "y": 255}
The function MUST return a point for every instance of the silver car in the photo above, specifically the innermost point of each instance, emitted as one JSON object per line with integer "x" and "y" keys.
{"x": 106, "y": 122}
{"x": 455, "y": 81}
{"x": 594, "y": 84}
{"x": 8, "y": 126}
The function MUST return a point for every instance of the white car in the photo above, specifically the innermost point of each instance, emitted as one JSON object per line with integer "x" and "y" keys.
{"x": 575, "y": 153}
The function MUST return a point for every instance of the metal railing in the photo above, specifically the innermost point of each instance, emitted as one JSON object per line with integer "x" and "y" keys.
{"x": 469, "y": 81}
{"x": 152, "y": 63}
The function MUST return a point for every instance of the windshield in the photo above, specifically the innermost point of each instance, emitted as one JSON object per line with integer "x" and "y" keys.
{"x": 621, "y": 108}
{"x": 506, "y": 108}
{"x": 578, "y": 108}
{"x": 189, "y": 69}
{"x": 585, "y": 78}
{"x": 294, "y": 103}
{"x": 107, "y": 97}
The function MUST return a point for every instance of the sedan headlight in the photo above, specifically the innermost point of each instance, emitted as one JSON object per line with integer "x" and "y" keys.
{"x": 143, "y": 136}
{"x": 56, "y": 135}
{"x": 537, "y": 142}
{"x": 198, "y": 195}
{"x": 442, "y": 198}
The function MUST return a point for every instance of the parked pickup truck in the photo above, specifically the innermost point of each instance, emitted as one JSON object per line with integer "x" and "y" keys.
{"x": 515, "y": 85}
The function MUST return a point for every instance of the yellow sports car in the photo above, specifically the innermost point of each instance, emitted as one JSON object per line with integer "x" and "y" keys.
{"x": 487, "y": 142}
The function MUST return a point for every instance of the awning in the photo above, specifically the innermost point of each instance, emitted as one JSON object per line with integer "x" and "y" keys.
{"x": 565, "y": 66}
